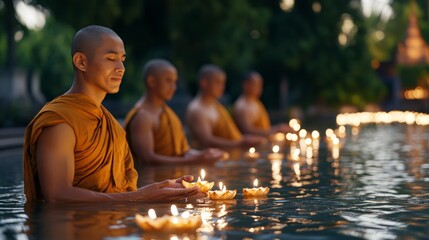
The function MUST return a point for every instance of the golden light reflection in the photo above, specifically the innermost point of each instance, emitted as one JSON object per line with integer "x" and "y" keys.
{"x": 406, "y": 117}
{"x": 297, "y": 170}
{"x": 276, "y": 169}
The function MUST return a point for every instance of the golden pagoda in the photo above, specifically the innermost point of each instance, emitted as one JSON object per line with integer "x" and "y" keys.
{"x": 413, "y": 50}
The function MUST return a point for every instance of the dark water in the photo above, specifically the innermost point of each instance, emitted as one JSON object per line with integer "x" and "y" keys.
{"x": 378, "y": 188}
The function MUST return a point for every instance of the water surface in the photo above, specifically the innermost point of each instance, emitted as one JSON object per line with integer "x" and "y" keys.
{"x": 378, "y": 188}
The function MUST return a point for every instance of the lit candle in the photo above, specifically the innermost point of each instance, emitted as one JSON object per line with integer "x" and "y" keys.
{"x": 275, "y": 154}
{"x": 205, "y": 186}
{"x": 175, "y": 223}
{"x": 252, "y": 154}
{"x": 222, "y": 193}
{"x": 278, "y": 138}
{"x": 255, "y": 191}
{"x": 294, "y": 154}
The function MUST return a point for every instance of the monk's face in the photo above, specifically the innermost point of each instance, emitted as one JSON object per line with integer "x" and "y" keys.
{"x": 105, "y": 67}
{"x": 216, "y": 84}
{"x": 163, "y": 82}
{"x": 254, "y": 86}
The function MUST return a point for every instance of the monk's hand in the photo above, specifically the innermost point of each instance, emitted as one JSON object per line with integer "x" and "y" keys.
{"x": 211, "y": 155}
{"x": 251, "y": 140}
{"x": 282, "y": 127}
{"x": 166, "y": 192}
{"x": 187, "y": 178}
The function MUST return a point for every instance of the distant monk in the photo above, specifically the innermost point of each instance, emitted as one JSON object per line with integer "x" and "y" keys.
{"x": 209, "y": 122}
{"x": 74, "y": 149}
{"x": 154, "y": 132}
{"x": 249, "y": 112}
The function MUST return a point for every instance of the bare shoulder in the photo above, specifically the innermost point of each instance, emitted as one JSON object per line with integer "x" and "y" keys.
{"x": 60, "y": 136}
{"x": 239, "y": 105}
{"x": 143, "y": 118}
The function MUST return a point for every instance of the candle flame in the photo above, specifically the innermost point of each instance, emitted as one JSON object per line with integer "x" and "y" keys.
{"x": 252, "y": 150}
{"x": 220, "y": 185}
{"x": 315, "y": 134}
{"x": 174, "y": 211}
{"x": 186, "y": 214}
{"x": 199, "y": 179}
{"x": 203, "y": 174}
{"x": 224, "y": 188}
{"x": 276, "y": 148}
{"x": 255, "y": 182}
{"x": 152, "y": 214}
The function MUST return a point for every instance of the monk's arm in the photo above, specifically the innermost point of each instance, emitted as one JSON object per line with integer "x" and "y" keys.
{"x": 143, "y": 145}
{"x": 244, "y": 120}
{"x": 56, "y": 169}
{"x": 201, "y": 130}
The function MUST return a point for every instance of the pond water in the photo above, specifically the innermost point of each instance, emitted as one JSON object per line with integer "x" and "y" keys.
{"x": 378, "y": 188}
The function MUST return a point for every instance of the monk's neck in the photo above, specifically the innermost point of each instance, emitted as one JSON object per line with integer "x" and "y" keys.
{"x": 152, "y": 101}
{"x": 207, "y": 99}
{"x": 249, "y": 98}
{"x": 96, "y": 96}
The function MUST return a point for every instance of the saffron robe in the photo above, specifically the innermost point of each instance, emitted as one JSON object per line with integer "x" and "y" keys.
{"x": 169, "y": 136}
{"x": 103, "y": 161}
{"x": 225, "y": 127}
{"x": 263, "y": 120}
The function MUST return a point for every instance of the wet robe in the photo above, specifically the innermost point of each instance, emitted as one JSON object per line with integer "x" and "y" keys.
{"x": 262, "y": 121}
{"x": 169, "y": 136}
{"x": 103, "y": 161}
{"x": 225, "y": 127}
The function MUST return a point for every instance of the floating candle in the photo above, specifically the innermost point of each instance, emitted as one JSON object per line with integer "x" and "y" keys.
{"x": 222, "y": 193}
{"x": 275, "y": 154}
{"x": 252, "y": 154}
{"x": 205, "y": 186}
{"x": 278, "y": 137}
{"x": 175, "y": 223}
{"x": 255, "y": 191}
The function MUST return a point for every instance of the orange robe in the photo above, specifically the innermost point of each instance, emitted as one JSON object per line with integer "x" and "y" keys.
{"x": 169, "y": 137}
{"x": 225, "y": 127}
{"x": 263, "y": 120}
{"x": 103, "y": 161}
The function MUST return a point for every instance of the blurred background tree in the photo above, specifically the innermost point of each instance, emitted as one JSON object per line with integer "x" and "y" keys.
{"x": 320, "y": 50}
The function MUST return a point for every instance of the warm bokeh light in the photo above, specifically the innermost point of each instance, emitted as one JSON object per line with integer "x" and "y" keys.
{"x": 417, "y": 93}
{"x": 287, "y": 5}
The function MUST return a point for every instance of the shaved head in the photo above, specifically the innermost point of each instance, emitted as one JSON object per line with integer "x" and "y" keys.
{"x": 88, "y": 38}
{"x": 249, "y": 75}
{"x": 154, "y": 67}
{"x": 207, "y": 71}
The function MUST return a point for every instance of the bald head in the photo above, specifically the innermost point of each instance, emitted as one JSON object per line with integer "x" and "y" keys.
{"x": 208, "y": 71}
{"x": 155, "y": 67}
{"x": 250, "y": 75}
{"x": 88, "y": 38}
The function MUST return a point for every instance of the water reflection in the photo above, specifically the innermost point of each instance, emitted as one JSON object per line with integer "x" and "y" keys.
{"x": 371, "y": 185}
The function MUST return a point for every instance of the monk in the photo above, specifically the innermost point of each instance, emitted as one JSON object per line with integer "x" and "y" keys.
{"x": 249, "y": 112}
{"x": 154, "y": 132}
{"x": 208, "y": 121}
{"x": 74, "y": 149}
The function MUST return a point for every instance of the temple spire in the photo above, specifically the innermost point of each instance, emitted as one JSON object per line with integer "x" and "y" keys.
{"x": 413, "y": 50}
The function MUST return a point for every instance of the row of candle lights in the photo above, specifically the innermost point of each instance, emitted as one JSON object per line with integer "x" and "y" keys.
{"x": 407, "y": 117}
{"x": 186, "y": 221}
{"x": 302, "y": 144}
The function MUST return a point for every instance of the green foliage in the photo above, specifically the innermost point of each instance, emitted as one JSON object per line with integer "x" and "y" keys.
{"x": 413, "y": 76}
{"x": 227, "y": 33}
{"x": 300, "y": 46}
{"x": 47, "y": 51}
{"x": 304, "y": 49}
